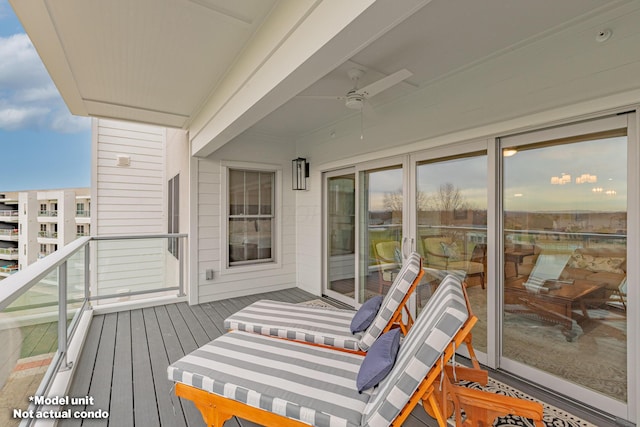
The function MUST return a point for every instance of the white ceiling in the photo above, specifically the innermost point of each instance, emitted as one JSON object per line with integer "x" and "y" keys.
{"x": 444, "y": 37}
{"x": 164, "y": 61}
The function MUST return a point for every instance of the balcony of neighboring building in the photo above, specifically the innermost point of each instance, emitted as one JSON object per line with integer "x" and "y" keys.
{"x": 8, "y": 254}
{"x": 9, "y": 234}
{"x": 47, "y": 215}
{"x": 8, "y": 216}
{"x": 83, "y": 217}
{"x": 47, "y": 237}
{"x": 8, "y": 269}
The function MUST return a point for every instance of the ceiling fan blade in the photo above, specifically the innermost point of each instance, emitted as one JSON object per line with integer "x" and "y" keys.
{"x": 385, "y": 83}
{"x": 333, "y": 97}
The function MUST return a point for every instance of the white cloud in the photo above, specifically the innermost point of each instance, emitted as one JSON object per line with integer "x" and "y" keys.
{"x": 19, "y": 118}
{"x": 21, "y": 67}
{"x": 64, "y": 122}
{"x": 36, "y": 94}
{"x": 28, "y": 97}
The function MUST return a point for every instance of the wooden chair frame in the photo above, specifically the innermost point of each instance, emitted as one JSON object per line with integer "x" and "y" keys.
{"x": 481, "y": 408}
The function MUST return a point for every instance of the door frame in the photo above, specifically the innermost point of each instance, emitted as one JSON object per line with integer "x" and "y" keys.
{"x": 325, "y": 228}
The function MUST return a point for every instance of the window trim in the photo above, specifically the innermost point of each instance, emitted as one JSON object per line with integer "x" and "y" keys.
{"x": 276, "y": 250}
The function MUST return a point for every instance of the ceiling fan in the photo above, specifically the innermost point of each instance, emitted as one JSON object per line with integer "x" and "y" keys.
{"x": 354, "y": 99}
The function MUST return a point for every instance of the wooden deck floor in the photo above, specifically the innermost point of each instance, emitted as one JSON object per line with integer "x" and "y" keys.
{"x": 125, "y": 357}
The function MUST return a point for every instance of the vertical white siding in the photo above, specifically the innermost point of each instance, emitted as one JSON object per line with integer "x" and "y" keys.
{"x": 210, "y": 249}
{"x": 129, "y": 200}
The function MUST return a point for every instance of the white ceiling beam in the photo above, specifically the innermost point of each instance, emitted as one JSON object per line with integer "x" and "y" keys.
{"x": 264, "y": 78}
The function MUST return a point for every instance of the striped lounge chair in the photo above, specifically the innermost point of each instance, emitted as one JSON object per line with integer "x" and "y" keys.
{"x": 330, "y": 327}
{"x": 277, "y": 382}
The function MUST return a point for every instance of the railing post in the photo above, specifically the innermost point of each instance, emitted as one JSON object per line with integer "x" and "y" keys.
{"x": 87, "y": 273}
{"x": 181, "y": 263}
{"x": 62, "y": 315}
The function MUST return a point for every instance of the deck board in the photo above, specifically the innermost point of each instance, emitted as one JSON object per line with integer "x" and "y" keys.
{"x": 100, "y": 388}
{"x": 146, "y": 408}
{"x": 129, "y": 352}
{"x": 121, "y": 405}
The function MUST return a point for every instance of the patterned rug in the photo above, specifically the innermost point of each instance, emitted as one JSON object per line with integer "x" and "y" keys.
{"x": 553, "y": 416}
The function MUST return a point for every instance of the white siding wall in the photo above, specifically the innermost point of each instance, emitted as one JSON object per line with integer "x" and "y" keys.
{"x": 210, "y": 249}
{"x": 563, "y": 76}
{"x": 129, "y": 200}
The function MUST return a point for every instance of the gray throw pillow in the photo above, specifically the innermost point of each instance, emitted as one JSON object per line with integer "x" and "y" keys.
{"x": 365, "y": 315}
{"x": 379, "y": 360}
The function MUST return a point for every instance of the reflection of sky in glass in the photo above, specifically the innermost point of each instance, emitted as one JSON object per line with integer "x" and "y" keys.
{"x": 528, "y": 174}
{"x": 527, "y": 178}
{"x": 383, "y": 182}
{"x": 468, "y": 175}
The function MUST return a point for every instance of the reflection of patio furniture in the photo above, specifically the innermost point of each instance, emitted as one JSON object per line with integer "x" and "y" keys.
{"x": 516, "y": 257}
{"x": 554, "y": 301}
{"x": 389, "y": 259}
{"x": 599, "y": 265}
{"x": 442, "y": 253}
{"x": 479, "y": 254}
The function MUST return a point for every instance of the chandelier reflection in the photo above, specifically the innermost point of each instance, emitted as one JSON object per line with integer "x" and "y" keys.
{"x": 563, "y": 179}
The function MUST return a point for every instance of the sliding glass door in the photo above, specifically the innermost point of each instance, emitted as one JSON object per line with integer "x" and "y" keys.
{"x": 564, "y": 252}
{"x": 381, "y": 208}
{"x": 364, "y": 220}
{"x": 340, "y": 233}
{"x": 540, "y": 225}
{"x": 451, "y": 226}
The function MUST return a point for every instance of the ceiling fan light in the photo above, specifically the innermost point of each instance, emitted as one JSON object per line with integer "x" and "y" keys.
{"x": 354, "y": 102}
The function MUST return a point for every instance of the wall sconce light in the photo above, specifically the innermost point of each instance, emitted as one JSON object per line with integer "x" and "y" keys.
{"x": 300, "y": 173}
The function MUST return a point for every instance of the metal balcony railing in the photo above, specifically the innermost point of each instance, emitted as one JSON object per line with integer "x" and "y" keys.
{"x": 9, "y": 232}
{"x": 52, "y": 294}
{"x": 48, "y": 213}
{"x": 9, "y": 251}
{"x": 48, "y": 234}
{"x": 83, "y": 214}
{"x": 8, "y": 213}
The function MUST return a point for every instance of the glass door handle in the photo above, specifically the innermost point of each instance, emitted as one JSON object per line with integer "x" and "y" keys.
{"x": 404, "y": 245}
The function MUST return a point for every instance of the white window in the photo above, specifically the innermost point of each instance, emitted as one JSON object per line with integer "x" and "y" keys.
{"x": 251, "y": 203}
{"x": 250, "y": 216}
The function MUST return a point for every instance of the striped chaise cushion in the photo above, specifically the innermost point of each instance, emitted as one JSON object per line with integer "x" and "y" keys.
{"x": 296, "y": 322}
{"x": 434, "y": 329}
{"x": 315, "y": 385}
{"x": 321, "y": 325}
{"x": 408, "y": 273}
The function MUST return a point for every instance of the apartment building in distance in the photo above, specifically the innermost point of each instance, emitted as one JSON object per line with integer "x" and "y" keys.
{"x": 35, "y": 223}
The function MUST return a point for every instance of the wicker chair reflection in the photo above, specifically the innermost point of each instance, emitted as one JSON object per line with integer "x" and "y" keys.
{"x": 441, "y": 253}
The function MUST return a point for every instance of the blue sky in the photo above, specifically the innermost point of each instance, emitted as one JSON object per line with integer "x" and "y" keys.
{"x": 42, "y": 146}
